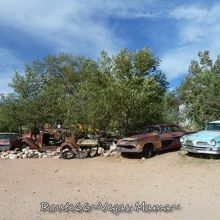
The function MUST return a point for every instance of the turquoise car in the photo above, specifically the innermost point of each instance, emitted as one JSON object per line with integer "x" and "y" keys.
{"x": 206, "y": 141}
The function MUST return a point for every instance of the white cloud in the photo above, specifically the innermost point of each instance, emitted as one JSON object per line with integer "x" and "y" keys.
{"x": 4, "y": 88}
{"x": 83, "y": 27}
{"x": 175, "y": 62}
{"x": 72, "y": 26}
{"x": 8, "y": 63}
{"x": 198, "y": 30}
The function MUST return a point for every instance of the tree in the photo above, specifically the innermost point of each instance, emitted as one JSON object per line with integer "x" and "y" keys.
{"x": 120, "y": 92}
{"x": 125, "y": 92}
{"x": 200, "y": 90}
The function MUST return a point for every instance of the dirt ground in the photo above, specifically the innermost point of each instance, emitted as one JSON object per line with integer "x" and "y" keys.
{"x": 169, "y": 178}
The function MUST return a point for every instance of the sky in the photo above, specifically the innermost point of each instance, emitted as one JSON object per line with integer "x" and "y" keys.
{"x": 173, "y": 30}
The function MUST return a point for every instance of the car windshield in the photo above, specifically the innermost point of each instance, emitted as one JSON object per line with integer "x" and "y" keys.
{"x": 213, "y": 127}
{"x": 7, "y": 136}
{"x": 151, "y": 129}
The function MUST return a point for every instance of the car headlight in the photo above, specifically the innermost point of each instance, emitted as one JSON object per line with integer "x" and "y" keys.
{"x": 182, "y": 139}
{"x": 212, "y": 142}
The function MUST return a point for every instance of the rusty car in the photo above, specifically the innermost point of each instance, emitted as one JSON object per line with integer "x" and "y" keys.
{"x": 86, "y": 146}
{"x": 152, "y": 139}
{"x": 9, "y": 141}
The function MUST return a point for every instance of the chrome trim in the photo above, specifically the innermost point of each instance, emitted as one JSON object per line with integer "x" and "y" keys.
{"x": 128, "y": 150}
{"x": 200, "y": 150}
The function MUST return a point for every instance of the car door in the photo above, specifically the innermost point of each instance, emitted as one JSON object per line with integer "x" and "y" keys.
{"x": 176, "y": 131}
{"x": 166, "y": 138}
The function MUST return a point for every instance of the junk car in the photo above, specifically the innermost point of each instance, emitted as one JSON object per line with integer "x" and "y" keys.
{"x": 206, "y": 141}
{"x": 9, "y": 141}
{"x": 152, "y": 139}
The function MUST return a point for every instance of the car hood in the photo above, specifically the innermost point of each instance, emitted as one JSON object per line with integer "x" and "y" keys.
{"x": 139, "y": 137}
{"x": 204, "y": 136}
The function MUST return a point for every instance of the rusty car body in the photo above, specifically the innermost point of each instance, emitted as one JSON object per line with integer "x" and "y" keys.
{"x": 101, "y": 140}
{"x": 152, "y": 139}
{"x": 43, "y": 140}
{"x": 87, "y": 146}
{"x": 9, "y": 141}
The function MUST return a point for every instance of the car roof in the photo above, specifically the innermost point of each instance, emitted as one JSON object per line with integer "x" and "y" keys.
{"x": 214, "y": 122}
{"x": 7, "y": 133}
{"x": 157, "y": 125}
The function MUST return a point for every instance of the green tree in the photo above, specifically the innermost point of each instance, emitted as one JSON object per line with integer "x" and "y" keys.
{"x": 200, "y": 90}
{"x": 125, "y": 92}
{"x": 119, "y": 92}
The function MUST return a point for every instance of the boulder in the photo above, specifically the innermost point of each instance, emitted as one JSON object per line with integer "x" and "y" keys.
{"x": 12, "y": 156}
{"x": 101, "y": 150}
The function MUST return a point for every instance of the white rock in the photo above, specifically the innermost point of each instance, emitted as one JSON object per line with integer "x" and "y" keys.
{"x": 58, "y": 149}
{"x": 19, "y": 155}
{"x": 113, "y": 146}
{"x": 4, "y": 153}
{"x": 107, "y": 154}
{"x": 12, "y": 156}
{"x": 114, "y": 153}
{"x": 24, "y": 156}
{"x": 101, "y": 150}
{"x": 13, "y": 152}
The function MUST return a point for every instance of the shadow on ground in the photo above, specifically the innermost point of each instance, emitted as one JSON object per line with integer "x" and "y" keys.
{"x": 139, "y": 155}
{"x": 204, "y": 156}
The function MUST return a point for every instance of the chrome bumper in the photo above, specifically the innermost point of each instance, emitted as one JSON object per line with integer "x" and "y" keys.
{"x": 128, "y": 150}
{"x": 199, "y": 150}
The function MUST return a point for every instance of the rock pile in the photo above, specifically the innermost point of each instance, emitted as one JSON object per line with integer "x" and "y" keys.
{"x": 28, "y": 153}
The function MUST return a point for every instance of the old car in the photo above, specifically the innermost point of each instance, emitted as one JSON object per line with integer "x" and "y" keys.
{"x": 86, "y": 146}
{"x": 9, "y": 141}
{"x": 206, "y": 141}
{"x": 152, "y": 139}
{"x": 101, "y": 140}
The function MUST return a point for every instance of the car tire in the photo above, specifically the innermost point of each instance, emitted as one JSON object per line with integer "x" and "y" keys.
{"x": 68, "y": 154}
{"x": 82, "y": 154}
{"x": 148, "y": 151}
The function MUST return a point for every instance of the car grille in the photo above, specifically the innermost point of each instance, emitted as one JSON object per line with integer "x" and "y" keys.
{"x": 189, "y": 143}
{"x": 126, "y": 146}
{"x": 202, "y": 143}
{"x": 196, "y": 148}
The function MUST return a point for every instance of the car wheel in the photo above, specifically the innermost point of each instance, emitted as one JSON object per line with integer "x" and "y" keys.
{"x": 68, "y": 154}
{"x": 24, "y": 145}
{"x": 148, "y": 151}
{"x": 93, "y": 153}
{"x": 82, "y": 154}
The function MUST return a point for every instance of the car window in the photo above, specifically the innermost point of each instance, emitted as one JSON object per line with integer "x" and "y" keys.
{"x": 7, "y": 136}
{"x": 174, "y": 129}
{"x": 151, "y": 129}
{"x": 165, "y": 129}
{"x": 213, "y": 127}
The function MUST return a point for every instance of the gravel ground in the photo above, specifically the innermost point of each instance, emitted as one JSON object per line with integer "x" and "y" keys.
{"x": 169, "y": 178}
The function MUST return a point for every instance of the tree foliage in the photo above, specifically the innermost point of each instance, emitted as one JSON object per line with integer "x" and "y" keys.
{"x": 200, "y": 90}
{"x": 120, "y": 92}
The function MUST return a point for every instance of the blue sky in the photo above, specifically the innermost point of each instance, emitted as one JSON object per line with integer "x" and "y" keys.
{"x": 174, "y": 30}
